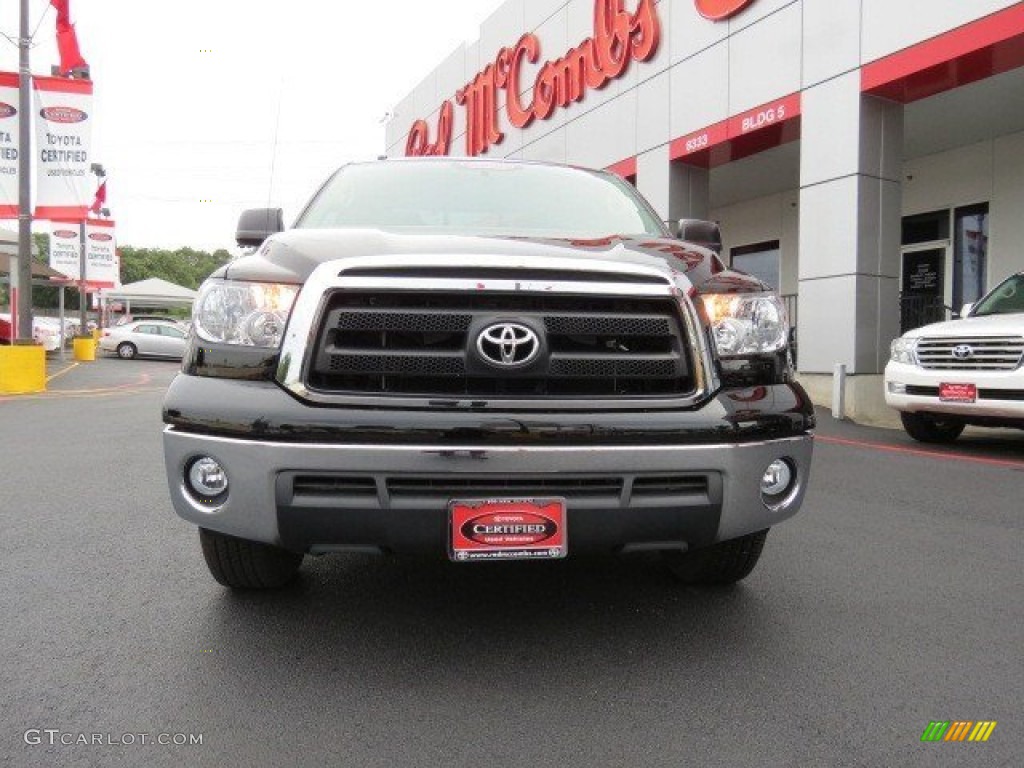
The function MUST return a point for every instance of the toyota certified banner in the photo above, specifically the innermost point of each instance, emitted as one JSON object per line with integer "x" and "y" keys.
{"x": 65, "y": 248}
{"x": 8, "y": 145}
{"x": 102, "y": 267}
{"x": 63, "y": 152}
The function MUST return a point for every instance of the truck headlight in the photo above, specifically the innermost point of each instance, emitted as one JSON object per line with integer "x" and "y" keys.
{"x": 249, "y": 314}
{"x": 903, "y": 351}
{"x": 747, "y": 323}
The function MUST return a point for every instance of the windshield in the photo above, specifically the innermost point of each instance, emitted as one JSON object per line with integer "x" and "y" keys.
{"x": 481, "y": 198}
{"x": 1006, "y": 299}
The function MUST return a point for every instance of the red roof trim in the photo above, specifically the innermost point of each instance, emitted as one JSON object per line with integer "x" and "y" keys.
{"x": 983, "y": 48}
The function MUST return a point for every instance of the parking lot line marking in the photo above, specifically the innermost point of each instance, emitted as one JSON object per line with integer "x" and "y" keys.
{"x": 960, "y": 457}
{"x": 130, "y": 387}
{"x": 96, "y": 394}
{"x": 61, "y": 372}
{"x": 144, "y": 378}
{"x": 81, "y": 395}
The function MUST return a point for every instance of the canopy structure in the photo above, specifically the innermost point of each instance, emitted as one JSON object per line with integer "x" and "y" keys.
{"x": 151, "y": 292}
{"x": 9, "y": 249}
{"x": 40, "y": 272}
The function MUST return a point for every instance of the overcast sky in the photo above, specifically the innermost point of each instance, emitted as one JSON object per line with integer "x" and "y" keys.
{"x": 190, "y": 95}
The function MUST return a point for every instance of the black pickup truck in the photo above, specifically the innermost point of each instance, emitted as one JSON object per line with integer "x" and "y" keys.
{"x": 489, "y": 360}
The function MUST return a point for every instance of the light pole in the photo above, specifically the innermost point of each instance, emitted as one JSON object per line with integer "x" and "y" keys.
{"x": 21, "y": 278}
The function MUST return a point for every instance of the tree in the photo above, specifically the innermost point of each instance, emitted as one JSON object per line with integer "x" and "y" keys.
{"x": 185, "y": 266}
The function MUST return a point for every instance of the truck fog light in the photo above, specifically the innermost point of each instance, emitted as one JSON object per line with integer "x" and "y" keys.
{"x": 207, "y": 478}
{"x": 777, "y": 484}
{"x": 895, "y": 388}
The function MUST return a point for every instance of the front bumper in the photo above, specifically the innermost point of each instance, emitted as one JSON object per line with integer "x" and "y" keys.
{"x": 916, "y": 390}
{"x": 326, "y": 479}
{"x": 261, "y": 505}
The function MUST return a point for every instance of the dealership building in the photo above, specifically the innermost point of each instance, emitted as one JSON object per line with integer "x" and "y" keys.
{"x": 866, "y": 157}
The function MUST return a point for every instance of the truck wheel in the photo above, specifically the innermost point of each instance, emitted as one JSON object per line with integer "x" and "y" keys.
{"x": 126, "y": 350}
{"x": 724, "y": 563}
{"x": 244, "y": 564}
{"x": 928, "y": 429}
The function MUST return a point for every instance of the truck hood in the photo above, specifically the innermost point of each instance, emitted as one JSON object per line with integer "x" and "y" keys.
{"x": 991, "y": 325}
{"x": 290, "y": 257}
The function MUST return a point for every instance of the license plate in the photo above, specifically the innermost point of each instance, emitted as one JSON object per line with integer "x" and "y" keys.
{"x": 958, "y": 393}
{"x": 507, "y": 529}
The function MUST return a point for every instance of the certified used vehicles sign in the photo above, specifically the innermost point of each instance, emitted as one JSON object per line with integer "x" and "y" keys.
{"x": 507, "y": 529}
{"x": 958, "y": 393}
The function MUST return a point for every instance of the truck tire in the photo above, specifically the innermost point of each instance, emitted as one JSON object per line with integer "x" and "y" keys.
{"x": 244, "y": 564}
{"x": 928, "y": 429}
{"x": 724, "y": 563}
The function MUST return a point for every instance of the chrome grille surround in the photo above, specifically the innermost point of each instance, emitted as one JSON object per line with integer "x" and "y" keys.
{"x": 539, "y": 276}
{"x": 988, "y": 353}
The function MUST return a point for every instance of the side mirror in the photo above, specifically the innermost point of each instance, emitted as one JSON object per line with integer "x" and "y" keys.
{"x": 965, "y": 310}
{"x": 257, "y": 224}
{"x": 700, "y": 232}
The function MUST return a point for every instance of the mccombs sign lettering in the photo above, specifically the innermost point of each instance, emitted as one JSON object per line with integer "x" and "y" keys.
{"x": 619, "y": 38}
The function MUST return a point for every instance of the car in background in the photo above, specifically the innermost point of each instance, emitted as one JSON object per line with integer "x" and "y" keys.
{"x": 945, "y": 376}
{"x": 145, "y": 338}
{"x": 44, "y": 332}
{"x": 125, "y": 319}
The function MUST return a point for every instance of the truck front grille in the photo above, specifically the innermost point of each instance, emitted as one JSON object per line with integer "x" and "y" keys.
{"x": 987, "y": 353}
{"x": 346, "y": 491}
{"x": 422, "y": 344}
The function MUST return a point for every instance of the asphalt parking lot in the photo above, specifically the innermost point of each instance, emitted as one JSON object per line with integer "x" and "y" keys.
{"x": 891, "y": 601}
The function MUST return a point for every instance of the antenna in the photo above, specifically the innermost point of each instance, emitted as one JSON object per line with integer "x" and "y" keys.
{"x": 273, "y": 151}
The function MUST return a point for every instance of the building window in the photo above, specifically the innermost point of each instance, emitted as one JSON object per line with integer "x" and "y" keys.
{"x": 970, "y": 254}
{"x": 760, "y": 260}
{"x": 926, "y": 227}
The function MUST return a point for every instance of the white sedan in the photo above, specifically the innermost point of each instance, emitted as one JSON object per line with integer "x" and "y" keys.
{"x": 144, "y": 337}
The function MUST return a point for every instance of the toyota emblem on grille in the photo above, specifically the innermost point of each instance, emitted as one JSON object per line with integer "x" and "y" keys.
{"x": 963, "y": 352}
{"x": 508, "y": 345}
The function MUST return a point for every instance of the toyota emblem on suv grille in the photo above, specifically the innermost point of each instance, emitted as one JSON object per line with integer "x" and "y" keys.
{"x": 508, "y": 345}
{"x": 963, "y": 352}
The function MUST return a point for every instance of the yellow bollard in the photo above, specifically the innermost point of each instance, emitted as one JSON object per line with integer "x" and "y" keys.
{"x": 84, "y": 348}
{"x": 22, "y": 369}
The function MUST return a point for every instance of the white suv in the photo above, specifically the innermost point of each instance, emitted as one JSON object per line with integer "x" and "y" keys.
{"x": 945, "y": 376}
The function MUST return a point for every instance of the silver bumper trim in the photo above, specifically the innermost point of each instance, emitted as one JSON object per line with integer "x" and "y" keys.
{"x": 250, "y": 509}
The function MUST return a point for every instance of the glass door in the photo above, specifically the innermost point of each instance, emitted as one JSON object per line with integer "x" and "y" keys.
{"x": 970, "y": 254}
{"x": 923, "y": 284}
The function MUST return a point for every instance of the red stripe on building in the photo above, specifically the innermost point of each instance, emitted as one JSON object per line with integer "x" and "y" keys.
{"x": 694, "y": 147}
{"x": 8, "y": 211}
{"x": 769, "y": 125}
{"x": 9, "y": 79}
{"x": 983, "y": 48}
{"x": 624, "y": 168}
